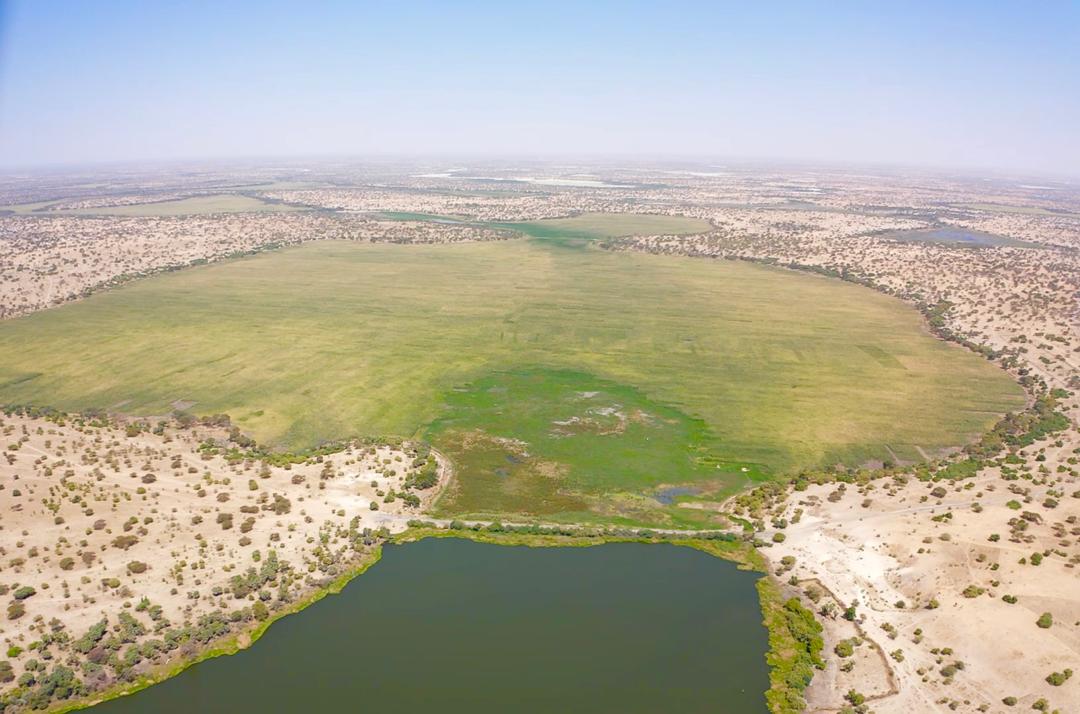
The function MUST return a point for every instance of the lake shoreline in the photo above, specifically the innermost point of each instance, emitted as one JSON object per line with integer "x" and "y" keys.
{"x": 741, "y": 552}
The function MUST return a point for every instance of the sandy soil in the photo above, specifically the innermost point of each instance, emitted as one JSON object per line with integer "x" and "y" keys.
{"x": 95, "y": 519}
{"x": 889, "y": 543}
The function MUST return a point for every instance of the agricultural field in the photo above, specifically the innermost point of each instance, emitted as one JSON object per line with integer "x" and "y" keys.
{"x": 527, "y": 363}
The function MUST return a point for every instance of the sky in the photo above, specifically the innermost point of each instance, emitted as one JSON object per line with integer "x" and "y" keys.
{"x": 987, "y": 85}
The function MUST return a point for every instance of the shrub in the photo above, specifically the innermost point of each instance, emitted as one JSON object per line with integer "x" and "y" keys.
{"x": 135, "y": 567}
{"x": 92, "y": 636}
{"x": 1056, "y": 679}
{"x": 1045, "y": 620}
{"x": 844, "y": 648}
{"x": 124, "y": 542}
{"x": 23, "y": 592}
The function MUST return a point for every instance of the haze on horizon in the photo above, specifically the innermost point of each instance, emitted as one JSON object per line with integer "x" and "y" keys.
{"x": 972, "y": 85}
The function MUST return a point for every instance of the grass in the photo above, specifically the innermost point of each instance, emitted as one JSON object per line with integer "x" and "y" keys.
{"x": 1006, "y": 208}
{"x": 195, "y": 205}
{"x": 610, "y": 225}
{"x": 570, "y": 435}
{"x": 587, "y": 226}
{"x": 730, "y": 365}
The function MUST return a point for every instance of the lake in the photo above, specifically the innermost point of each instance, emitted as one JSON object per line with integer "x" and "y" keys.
{"x": 452, "y": 626}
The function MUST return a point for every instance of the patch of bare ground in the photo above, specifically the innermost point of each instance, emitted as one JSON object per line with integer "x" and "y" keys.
{"x": 950, "y": 579}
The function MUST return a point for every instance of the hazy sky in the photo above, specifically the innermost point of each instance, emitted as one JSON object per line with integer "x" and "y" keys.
{"x": 979, "y": 84}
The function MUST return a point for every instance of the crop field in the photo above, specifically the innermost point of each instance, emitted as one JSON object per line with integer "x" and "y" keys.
{"x": 558, "y": 380}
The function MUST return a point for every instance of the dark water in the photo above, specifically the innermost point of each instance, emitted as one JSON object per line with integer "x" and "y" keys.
{"x": 959, "y": 237}
{"x": 668, "y": 495}
{"x": 454, "y": 626}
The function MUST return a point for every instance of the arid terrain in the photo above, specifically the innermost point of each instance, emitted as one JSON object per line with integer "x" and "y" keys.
{"x": 943, "y": 584}
{"x": 169, "y": 537}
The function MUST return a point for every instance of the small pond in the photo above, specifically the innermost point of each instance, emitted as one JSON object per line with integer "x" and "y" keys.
{"x": 959, "y": 237}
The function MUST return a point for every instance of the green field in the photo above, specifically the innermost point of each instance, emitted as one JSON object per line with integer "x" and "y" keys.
{"x": 587, "y": 226}
{"x": 559, "y": 380}
{"x": 195, "y": 205}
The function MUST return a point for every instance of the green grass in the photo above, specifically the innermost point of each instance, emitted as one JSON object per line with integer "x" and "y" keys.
{"x": 735, "y": 365}
{"x": 587, "y": 226}
{"x": 610, "y": 225}
{"x": 570, "y": 436}
{"x": 196, "y": 205}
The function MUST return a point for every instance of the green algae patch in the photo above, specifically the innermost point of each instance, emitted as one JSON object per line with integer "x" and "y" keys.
{"x": 544, "y": 441}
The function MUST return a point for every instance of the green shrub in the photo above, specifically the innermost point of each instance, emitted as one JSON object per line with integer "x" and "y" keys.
{"x": 1056, "y": 679}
